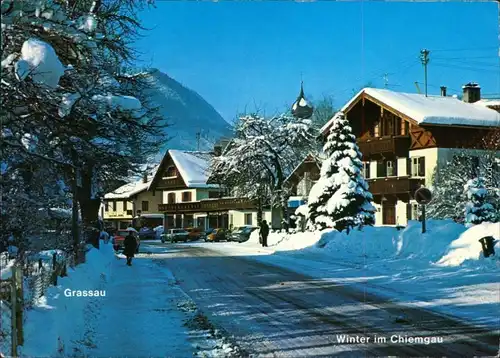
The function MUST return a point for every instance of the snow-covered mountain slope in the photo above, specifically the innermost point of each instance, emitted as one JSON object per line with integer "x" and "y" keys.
{"x": 187, "y": 113}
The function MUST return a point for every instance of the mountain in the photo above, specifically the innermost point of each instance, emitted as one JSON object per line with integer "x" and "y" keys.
{"x": 186, "y": 113}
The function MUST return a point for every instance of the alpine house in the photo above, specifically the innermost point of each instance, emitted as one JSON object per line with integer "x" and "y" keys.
{"x": 405, "y": 137}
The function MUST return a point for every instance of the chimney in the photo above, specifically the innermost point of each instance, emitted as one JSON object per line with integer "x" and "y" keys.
{"x": 472, "y": 92}
{"x": 443, "y": 91}
{"x": 145, "y": 178}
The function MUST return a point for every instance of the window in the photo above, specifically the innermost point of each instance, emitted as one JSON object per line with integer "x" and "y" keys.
{"x": 124, "y": 205}
{"x": 389, "y": 125}
{"x": 171, "y": 172}
{"x": 213, "y": 194}
{"x": 366, "y": 170}
{"x": 114, "y": 205}
{"x": 389, "y": 168}
{"x": 106, "y": 206}
{"x": 248, "y": 219}
{"x": 418, "y": 167}
{"x": 415, "y": 214}
{"x": 412, "y": 212}
{"x": 145, "y": 205}
{"x": 171, "y": 198}
{"x": 188, "y": 220}
{"x": 376, "y": 130}
{"x": 186, "y": 196}
{"x": 381, "y": 169}
{"x": 405, "y": 127}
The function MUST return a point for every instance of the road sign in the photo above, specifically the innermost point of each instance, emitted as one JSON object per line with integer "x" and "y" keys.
{"x": 423, "y": 196}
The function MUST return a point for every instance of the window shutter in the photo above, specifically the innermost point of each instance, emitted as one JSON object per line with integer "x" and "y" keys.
{"x": 421, "y": 166}
{"x": 381, "y": 169}
{"x": 367, "y": 166}
{"x": 408, "y": 167}
{"x": 395, "y": 167}
{"x": 409, "y": 211}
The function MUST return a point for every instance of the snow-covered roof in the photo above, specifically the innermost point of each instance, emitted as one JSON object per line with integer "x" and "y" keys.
{"x": 493, "y": 102}
{"x": 128, "y": 190}
{"x": 437, "y": 110}
{"x": 193, "y": 167}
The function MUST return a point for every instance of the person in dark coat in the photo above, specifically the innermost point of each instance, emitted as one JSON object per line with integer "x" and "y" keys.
{"x": 264, "y": 232}
{"x": 130, "y": 246}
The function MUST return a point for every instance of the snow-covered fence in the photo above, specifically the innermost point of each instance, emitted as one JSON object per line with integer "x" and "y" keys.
{"x": 41, "y": 272}
{"x": 11, "y": 296}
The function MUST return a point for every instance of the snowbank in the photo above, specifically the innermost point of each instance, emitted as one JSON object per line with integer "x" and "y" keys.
{"x": 445, "y": 242}
{"x": 467, "y": 246}
{"x": 48, "y": 328}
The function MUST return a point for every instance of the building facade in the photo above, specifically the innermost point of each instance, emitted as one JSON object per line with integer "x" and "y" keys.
{"x": 189, "y": 200}
{"x": 404, "y": 138}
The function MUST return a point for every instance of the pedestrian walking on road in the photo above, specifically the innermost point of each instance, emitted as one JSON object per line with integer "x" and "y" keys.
{"x": 264, "y": 232}
{"x": 130, "y": 246}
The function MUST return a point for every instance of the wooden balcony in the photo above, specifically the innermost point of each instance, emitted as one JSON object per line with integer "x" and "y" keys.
{"x": 390, "y": 146}
{"x": 394, "y": 186}
{"x": 170, "y": 183}
{"x": 208, "y": 205}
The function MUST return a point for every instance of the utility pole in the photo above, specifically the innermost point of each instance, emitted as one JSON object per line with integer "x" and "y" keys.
{"x": 425, "y": 60}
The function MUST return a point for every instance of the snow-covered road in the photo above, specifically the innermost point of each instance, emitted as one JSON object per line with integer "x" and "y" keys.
{"x": 276, "y": 311}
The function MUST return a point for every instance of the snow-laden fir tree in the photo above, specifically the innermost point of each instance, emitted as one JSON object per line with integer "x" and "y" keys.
{"x": 478, "y": 208}
{"x": 340, "y": 199}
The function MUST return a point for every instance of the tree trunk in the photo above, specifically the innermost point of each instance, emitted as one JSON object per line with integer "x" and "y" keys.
{"x": 259, "y": 211}
{"x": 89, "y": 208}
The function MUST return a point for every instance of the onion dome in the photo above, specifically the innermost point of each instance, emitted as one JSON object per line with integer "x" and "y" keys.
{"x": 301, "y": 108}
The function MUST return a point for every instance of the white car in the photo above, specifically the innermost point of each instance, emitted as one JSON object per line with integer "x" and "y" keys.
{"x": 175, "y": 235}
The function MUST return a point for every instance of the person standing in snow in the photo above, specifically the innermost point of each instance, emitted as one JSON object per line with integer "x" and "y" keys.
{"x": 130, "y": 246}
{"x": 264, "y": 232}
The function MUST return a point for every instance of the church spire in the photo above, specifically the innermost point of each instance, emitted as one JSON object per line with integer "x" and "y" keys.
{"x": 301, "y": 108}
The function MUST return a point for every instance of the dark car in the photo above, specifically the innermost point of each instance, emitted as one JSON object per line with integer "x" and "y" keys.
{"x": 146, "y": 233}
{"x": 242, "y": 233}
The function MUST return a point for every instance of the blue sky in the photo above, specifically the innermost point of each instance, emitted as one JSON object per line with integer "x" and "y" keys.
{"x": 245, "y": 55}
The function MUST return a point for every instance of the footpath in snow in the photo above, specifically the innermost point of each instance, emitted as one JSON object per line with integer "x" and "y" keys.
{"x": 143, "y": 313}
{"x": 442, "y": 270}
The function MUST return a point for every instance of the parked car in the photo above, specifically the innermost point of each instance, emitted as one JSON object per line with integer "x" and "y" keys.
{"x": 195, "y": 233}
{"x": 242, "y": 233}
{"x": 217, "y": 235}
{"x": 175, "y": 235}
{"x": 146, "y": 233}
{"x": 159, "y": 230}
{"x": 119, "y": 238}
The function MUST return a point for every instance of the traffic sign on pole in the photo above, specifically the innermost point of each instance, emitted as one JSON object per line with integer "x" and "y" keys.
{"x": 423, "y": 196}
